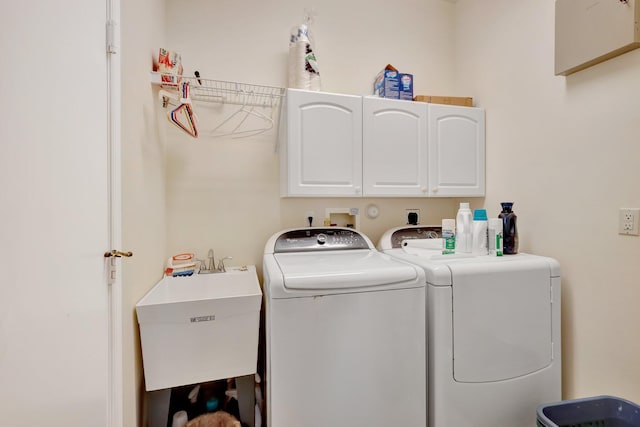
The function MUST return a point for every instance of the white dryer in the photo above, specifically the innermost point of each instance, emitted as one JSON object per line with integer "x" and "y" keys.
{"x": 345, "y": 332}
{"x": 493, "y": 326}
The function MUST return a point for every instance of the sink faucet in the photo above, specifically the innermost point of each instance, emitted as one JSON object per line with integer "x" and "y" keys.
{"x": 212, "y": 261}
{"x": 211, "y": 267}
{"x": 221, "y": 268}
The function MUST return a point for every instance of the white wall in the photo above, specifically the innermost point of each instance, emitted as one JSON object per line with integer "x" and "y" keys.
{"x": 143, "y": 185}
{"x": 553, "y": 146}
{"x": 566, "y": 151}
{"x": 224, "y": 193}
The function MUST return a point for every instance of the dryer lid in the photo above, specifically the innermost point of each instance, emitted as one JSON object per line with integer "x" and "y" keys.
{"x": 345, "y": 270}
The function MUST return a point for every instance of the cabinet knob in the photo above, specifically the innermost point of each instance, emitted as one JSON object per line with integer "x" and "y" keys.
{"x": 358, "y": 190}
{"x": 424, "y": 189}
{"x": 435, "y": 189}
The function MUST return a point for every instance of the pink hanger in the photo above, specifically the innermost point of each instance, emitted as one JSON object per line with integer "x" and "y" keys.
{"x": 183, "y": 115}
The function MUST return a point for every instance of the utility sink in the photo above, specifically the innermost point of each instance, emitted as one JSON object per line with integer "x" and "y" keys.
{"x": 200, "y": 328}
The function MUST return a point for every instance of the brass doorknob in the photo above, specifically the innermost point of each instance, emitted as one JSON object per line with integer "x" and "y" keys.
{"x": 117, "y": 254}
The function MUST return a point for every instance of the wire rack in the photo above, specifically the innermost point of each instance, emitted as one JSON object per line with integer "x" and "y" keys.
{"x": 218, "y": 91}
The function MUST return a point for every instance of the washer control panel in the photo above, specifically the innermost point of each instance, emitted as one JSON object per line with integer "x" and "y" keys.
{"x": 319, "y": 239}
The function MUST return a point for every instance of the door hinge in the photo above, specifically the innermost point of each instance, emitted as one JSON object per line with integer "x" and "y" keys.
{"x": 113, "y": 42}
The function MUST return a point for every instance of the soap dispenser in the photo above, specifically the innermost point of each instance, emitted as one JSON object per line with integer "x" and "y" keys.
{"x": 510, "y": 230}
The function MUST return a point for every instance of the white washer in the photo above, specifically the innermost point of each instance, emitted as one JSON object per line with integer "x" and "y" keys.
{"x": 345, "y": 332}
{"x": 493, "y": 326}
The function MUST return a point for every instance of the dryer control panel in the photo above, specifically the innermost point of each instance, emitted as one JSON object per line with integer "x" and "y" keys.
{"x": 421, "y": 232}
{"x": 319, "y": 239}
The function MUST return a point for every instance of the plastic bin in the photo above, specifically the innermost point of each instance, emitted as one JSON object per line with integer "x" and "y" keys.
{"x": 600, "y": 411}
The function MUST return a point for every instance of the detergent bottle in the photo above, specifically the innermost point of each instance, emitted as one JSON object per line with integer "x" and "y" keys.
{"x": 510, "y": 229}
{"x": 479, "y": 231}
{"x": 463, "y": 229}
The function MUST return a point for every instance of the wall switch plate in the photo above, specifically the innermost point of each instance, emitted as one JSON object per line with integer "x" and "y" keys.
{"x": 412, "y": 216}
{"x": 628, "y": 221}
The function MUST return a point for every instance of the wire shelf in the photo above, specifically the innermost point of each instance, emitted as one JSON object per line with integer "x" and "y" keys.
{"x": 255, "y": 115}
{"x": 223, "y": 92}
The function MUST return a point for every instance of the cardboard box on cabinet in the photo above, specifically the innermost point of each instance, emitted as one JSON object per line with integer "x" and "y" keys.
{"x": 448, "y": 100}
{"x": 387, "y": 82}
{"x": 406, "y": 86}
{"x": 390, "y": 83}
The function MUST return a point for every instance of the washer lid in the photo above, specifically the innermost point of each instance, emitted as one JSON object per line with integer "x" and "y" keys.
{"x": 344, "y": 270}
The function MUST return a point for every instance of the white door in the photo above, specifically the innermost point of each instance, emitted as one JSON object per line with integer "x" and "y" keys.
{"x": 394, "y": 147}
{"x": 54, "y": 219}
{"x": 322, "y": 155}
{"x": 456, "y": 151}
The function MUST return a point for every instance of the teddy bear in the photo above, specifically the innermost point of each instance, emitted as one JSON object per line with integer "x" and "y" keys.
{"x": 214, "y": 419}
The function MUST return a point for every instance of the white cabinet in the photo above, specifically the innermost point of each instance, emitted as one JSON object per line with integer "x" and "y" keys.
{"x": 456, "y": 151}
{"x": 350, "y": 146}
{"x": 321, "y": 154}
{"x": 394, "y": 147}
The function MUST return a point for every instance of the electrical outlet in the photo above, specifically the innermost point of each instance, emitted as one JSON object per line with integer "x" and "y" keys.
{"x": 628, "y": 221}
{"x": 412, "y": 216}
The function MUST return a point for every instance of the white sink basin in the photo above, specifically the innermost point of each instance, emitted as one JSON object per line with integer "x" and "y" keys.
{"x": 200, "y": 328}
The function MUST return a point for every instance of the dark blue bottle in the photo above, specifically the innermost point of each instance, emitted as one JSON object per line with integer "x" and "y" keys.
{"x": 509, "y": 229}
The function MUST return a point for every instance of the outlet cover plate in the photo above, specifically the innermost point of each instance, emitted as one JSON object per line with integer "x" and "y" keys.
{"x": 628, "y": 221}
{"x": 412, "y": 211}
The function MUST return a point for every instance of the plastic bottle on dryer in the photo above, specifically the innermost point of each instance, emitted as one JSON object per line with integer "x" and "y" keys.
{"x": 510, "y": 229}
{"x": 495, "y": 237}
{"x": 463, "y": 229}
{"x": 479, "y": 231}
{"x": 448, "y": 236}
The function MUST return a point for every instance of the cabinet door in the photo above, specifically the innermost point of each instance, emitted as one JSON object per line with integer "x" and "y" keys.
{"x": 322, "y": 155}
{"x": 456, "y": 151}
{"x": 394, "y": 148}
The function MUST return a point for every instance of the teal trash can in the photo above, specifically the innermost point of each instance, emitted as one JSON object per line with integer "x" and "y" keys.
{"x": 599, "y": 411}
